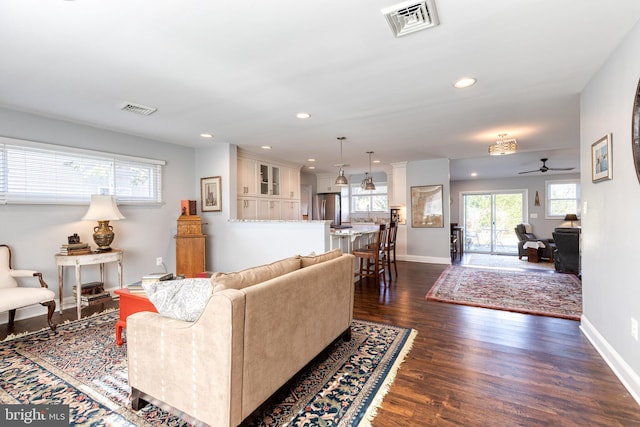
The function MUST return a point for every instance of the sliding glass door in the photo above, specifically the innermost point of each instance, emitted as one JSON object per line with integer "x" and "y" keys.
{"x": 490, "y": 219}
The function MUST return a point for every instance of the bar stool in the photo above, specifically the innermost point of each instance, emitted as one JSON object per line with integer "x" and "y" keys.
{"x": 390, "y": 247}
{"x": 375, "y": 258}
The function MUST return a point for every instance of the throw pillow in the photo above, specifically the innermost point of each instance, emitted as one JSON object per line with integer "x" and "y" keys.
{"x": 179, "y": 299}
{"x": 254, "y": 275}
{"x": 306, "y": 261}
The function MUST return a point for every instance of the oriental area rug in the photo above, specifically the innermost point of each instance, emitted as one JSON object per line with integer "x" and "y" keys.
{"x": 80, "y": 365}
{"x": 542, "y": 293}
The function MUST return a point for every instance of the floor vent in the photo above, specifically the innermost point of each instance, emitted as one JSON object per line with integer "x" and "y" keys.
{"x": 139, "y": 109}
{"x": 411, "y": 16}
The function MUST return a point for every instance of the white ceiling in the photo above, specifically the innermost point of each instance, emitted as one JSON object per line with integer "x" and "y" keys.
{"x": 242, "y": 70}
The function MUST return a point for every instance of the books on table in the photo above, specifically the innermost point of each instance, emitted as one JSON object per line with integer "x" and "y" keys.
{"x": 136, "y": 288}
{"x": 75, "y": 249}
{"x": 156, "y": 277}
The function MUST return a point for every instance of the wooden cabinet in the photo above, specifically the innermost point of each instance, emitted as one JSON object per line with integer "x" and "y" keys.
{"x": 290, "y": 183}
{"x": 190, "y": 246}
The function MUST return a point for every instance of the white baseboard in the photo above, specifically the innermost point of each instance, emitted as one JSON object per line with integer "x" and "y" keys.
{"x": 425, "y": 259}
{"x": 620, "y": 368}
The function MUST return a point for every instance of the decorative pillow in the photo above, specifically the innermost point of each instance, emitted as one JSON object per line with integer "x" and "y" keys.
{"x": 179, "y": 299}
{"x": 254, "y": 275}
{"x": 306, "y": 261}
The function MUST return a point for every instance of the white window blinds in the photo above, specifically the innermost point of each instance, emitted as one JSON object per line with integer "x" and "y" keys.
{"x": 33, "y": 172}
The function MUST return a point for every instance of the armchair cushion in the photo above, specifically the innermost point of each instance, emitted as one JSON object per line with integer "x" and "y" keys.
{"x": 12, "y": 298}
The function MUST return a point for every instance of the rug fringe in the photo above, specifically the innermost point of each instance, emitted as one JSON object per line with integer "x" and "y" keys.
{"x": 24, "y": 334}
{"x": 372, "y": 411}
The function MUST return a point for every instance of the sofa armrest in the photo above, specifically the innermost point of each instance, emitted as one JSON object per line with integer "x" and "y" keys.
{"x": 194, "y": 367}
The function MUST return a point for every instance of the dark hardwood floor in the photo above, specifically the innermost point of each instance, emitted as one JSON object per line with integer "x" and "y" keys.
{"x": 479, "y": 367}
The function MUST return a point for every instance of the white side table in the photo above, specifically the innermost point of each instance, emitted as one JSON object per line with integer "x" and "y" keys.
{"x": 77, "y": 261}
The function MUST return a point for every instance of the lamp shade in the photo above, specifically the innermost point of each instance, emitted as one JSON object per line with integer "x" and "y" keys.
{"x": 571, "y": 217}
{"x": 102, "y": 208}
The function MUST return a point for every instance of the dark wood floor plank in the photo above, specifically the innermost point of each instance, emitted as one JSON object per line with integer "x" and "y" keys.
{"x": 472, "y": 366}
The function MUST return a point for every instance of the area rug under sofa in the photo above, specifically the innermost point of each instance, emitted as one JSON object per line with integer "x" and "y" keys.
{"x": 542, "y": 293}
{"x": 81, "y": 366}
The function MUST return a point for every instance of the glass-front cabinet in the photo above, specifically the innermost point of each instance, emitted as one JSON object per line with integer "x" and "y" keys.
{"x": 269, "y": 180}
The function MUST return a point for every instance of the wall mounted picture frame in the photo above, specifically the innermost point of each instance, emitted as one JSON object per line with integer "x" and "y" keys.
{"x": 635, "y": 131}
{"x": 601, "y": 165}
{"x": 211, "y": 194}
{"x": 427, "y": 206}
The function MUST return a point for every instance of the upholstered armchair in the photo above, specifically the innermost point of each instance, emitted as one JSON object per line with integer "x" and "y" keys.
{"x": 13, "y": 296}
{"x": 567, "y": 254}
{"x": 525, "y": 234}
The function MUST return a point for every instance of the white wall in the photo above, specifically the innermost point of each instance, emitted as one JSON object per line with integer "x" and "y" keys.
{"x": 428, "y": 244}
{"x": 611, "y": 289}
{"x": 35, "y": 232}
{"x": 542, "y": 227}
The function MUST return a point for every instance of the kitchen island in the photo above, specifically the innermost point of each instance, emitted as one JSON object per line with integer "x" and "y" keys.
{"x": 357, "y": 237}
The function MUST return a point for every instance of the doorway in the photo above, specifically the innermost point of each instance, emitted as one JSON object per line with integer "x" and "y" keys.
{"x": 490, "y": 219}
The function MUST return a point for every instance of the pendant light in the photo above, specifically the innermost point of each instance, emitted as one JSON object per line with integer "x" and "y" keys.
{"x": 341, "y": 180}
{"x": 369, "y": 185}
{"x": 504, "y": 146}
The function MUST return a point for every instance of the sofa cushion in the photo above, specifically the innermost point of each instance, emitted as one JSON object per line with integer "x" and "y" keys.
{"x": 179, "y": 299}
{"x": 306, "y": 261}
{"x": 254, "y": 275}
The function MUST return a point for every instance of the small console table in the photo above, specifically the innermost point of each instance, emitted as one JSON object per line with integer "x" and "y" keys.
{"x": 77, "y": 261}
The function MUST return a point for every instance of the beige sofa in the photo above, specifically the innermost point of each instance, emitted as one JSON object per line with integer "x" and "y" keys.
{"x": 257, "y": 330}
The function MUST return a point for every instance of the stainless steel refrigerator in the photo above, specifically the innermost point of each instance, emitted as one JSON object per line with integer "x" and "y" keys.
{"x": 326, "y": 206}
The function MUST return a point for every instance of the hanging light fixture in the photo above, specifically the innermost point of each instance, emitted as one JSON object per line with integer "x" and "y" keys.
{"x": 341, "y": 180}
{"x": 369, "y": 185}
{"x": 503, "y": 147}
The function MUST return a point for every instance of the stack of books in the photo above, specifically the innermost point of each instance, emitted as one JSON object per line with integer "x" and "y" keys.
{"x": 136, "y": 288}
{"x": 93, "y": 293}
{"x": 156, "y": 277}
{"x": 75, "y": 249}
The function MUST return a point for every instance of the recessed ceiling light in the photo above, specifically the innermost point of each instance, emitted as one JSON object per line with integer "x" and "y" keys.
{"x": 266, "y": 147}
{"x": 303, "y": 115}
{"x": 376, "y": 161}
{"x": 474, "y": 173}
{"x": 311, "y": 160}
{"x": 206, "y": 135}
{"x": 311, "y": 167}
{"x": 464, "y": 82}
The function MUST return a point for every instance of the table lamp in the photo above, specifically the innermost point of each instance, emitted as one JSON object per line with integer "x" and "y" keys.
{"x": 103, "y": 209}
{"x": 571, "y": 217}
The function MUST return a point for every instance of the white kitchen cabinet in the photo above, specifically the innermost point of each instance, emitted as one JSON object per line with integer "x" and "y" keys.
{"x": 247, "y": 208}
{"x": 290, "y": 210}
{"x": 326, "y": 183}
{"x": 247, "y": 177}
{"x": 290, "y": 183}
{"x": 269, "y": 209}
{"x": 269, "y": 180}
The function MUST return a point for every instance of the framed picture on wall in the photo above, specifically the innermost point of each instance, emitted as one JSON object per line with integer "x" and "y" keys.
{"x": 601, "y": 166}
{"x": 426, "y": 206}
{"x": 211, "y": 194}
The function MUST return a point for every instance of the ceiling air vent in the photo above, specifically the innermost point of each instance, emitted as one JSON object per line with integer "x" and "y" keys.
{"x": 411, "y": 16}
{"x": 139, "y": 109}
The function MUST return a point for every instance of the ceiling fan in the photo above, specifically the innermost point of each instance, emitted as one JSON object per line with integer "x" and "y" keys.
{"x": 545, "y": 168}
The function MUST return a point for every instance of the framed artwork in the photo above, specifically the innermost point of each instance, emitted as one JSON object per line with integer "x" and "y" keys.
{"x": 635, "y": 131}
{"x": 426, "y": 206}
{"x": 211, "y": 194}
{"x": 601, "y": 159}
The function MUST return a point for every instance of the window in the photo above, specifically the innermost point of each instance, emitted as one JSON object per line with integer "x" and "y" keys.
{"x": 33, "y": 172}
{"x": 369, "y": 200}
{"x": 563, "y": 197}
